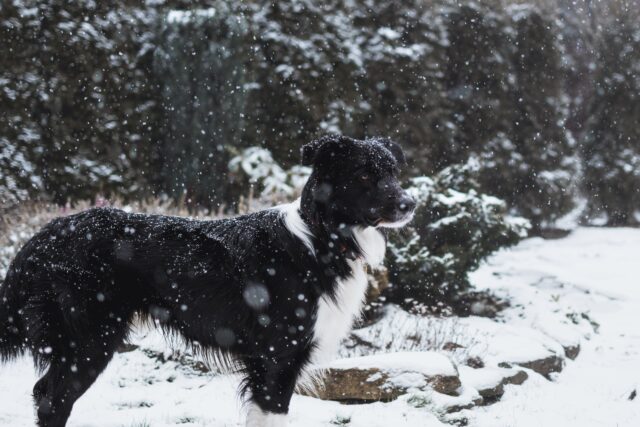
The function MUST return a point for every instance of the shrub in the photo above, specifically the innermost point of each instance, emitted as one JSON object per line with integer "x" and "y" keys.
{"x": 256, "y": 169}
{"x": 509, "y": 106}
{"x": 455, "y": 227}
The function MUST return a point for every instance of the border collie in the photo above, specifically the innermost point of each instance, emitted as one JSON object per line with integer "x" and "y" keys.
{"x": 275, "y": 290}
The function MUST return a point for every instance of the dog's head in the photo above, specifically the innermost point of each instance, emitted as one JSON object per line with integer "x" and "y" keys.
{"x": 355, "y": 182}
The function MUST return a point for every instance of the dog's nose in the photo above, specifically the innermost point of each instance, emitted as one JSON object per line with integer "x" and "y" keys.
{"x": 406, "y": 204}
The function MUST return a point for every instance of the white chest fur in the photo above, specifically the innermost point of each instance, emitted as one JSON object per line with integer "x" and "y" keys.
{"x": 335, "y": 317}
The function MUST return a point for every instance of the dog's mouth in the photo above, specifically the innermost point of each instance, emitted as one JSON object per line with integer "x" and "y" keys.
{"x": 396, "y": 221}
{"x": 373, "y": 221}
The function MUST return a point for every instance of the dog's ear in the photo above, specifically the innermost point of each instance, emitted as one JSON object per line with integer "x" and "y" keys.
{"x": 310, "y": 151}
{"x": 395, "y": 150}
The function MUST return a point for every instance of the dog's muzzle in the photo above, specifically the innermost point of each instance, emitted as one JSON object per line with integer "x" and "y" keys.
{"x": 398, "y": 214}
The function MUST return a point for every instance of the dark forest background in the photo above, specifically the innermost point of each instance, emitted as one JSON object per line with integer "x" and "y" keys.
{"x": 139, "y": 99}
{"x": 514, "y": 115}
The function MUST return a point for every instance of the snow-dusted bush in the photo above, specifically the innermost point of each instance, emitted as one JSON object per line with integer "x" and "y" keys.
{"x": 509, "y": 105}
{"x": 148, "y": 98}
{"x": 266, "y": 177}
{"x": 456, "y": 226}
{"x": 17, "y": 175}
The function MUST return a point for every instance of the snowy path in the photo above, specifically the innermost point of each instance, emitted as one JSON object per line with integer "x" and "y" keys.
{"x": 594, "y": 274}
{"x": 594, "y": 389}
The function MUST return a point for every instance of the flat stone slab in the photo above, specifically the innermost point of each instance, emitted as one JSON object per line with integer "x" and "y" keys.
{"x": 385, "y": 377}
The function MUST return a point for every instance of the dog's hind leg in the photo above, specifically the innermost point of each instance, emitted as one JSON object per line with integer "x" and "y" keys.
{"x": 75, "y": 361}
{"x": 63, "y": 383}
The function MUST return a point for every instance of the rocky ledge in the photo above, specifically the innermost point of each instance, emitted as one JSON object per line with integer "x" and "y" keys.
{"x": 386, "y": 377}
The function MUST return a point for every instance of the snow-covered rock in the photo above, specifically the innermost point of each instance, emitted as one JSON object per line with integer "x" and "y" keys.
{"x": 384, "y": 377}
{"x": 490, "y": 382}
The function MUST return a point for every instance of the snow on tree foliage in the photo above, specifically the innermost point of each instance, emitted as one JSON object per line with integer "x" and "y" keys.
{"x": 78, "y": 104}
{"x": 257, "y": 166}
{"x": 509, "y": 106}
{"x": 456, "y": 226}
{"x": 141, "y": 100}
{"x": 199, "y": 64}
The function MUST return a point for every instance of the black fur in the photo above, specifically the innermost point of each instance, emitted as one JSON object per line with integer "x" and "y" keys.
{"x": 245, "y": 286}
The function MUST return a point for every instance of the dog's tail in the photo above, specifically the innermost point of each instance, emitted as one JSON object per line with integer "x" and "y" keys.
{"x": 11, "y": 331}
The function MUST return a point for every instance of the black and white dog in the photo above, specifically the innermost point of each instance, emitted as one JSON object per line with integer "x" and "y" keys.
{"x": 275, "y": 290}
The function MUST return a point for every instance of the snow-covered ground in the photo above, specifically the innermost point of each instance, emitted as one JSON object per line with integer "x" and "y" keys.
{"x": 581, "y": 290}
{"x": 594, "y": 271}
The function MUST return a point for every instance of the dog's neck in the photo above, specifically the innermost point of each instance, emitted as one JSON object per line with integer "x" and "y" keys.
{"x": 329, "y": 239}
{"x": 337, "y": 240}
{"x": 332, "y": 238}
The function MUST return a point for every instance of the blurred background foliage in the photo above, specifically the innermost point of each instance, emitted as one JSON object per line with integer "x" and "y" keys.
{"x": 145, "y": 98}
{"x": 520, "y": 108}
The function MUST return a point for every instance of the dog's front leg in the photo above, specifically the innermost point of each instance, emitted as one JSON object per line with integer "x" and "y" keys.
{"x": 256, "y": 417}
{"x": 271, "y": 381}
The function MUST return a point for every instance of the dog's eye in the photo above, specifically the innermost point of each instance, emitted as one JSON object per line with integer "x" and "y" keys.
{"x": 364, "y": 177}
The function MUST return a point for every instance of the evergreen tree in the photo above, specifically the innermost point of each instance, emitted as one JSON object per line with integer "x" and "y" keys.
{"x": 79, "y": 103}
{"x": 503, "y": 76}
{"x": 611, "y": 145}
